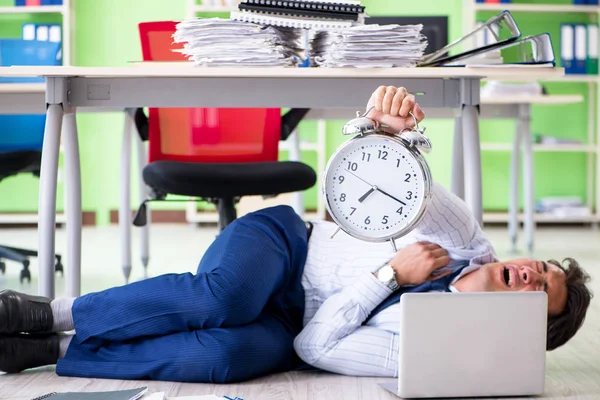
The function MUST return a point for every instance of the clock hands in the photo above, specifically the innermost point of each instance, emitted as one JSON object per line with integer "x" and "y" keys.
{"x": 389, "y": 195}
{"x": 373, "y": 188}
{"x": 364, "y": 196}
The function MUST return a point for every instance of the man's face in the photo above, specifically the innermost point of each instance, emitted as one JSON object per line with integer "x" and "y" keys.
{"x": 520, "y": 275}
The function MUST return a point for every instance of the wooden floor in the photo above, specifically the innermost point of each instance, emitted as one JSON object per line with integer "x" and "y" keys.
{"x": 573, "y": 372}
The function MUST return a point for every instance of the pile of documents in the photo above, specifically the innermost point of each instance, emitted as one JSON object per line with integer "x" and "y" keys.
{"x": 223, "y": 42}
{"x": 369, "y": 46}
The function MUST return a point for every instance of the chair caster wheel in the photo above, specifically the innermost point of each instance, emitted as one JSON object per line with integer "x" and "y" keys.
{"x": 25, "y": 274}
{"x": 2, "y": 267}
{"x": 59, "y": 268}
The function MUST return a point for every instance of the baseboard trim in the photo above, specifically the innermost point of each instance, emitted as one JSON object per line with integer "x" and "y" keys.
{"x": 157, "y": 216}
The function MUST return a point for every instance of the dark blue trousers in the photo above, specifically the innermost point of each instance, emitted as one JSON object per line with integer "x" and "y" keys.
{"x": 234, "y": 320}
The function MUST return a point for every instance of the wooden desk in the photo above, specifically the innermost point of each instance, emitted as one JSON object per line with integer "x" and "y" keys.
{"x": 70, "y": 88}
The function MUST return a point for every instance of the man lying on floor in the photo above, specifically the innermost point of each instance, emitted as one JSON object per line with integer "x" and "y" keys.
{"x": 273, "y": 291}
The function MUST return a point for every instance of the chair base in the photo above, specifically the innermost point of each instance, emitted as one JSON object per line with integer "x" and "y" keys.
{"x": 22, "y": 256}
{"x": 226, "y": 210}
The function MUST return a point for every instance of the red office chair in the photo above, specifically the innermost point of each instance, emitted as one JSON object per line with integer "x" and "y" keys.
{"x": 203, "y": 152}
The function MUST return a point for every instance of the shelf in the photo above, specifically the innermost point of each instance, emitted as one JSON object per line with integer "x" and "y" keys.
{"x": 558, "y": 8}
{"x": 534, "y": 99}
{"x": 304, "y": 146}
{"x": 33, "y": 10}
{"x": 574, "y": 78}
{"x": 582, "y": 148}
{"x": 214, "y": 9}
{"x": 502, "y": 217}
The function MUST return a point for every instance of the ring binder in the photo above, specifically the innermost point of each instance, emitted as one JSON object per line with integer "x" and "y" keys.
{"x": 288, "y": 22}
{"x": 302, "y": 8}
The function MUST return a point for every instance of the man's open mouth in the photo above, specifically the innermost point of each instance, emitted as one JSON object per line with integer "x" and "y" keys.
{"x": 510, "y": 276}
{"x": 507, "y": 277}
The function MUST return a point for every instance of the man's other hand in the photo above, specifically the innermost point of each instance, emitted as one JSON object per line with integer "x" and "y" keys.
{"x": 415, "y": 263}
{"x": 392, "y": 107}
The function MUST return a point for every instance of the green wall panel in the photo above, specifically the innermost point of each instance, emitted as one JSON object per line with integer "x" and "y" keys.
{"x": 106, "y": 35}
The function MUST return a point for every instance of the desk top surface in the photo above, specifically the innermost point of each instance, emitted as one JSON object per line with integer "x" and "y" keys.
{"x": 188, "y": 70}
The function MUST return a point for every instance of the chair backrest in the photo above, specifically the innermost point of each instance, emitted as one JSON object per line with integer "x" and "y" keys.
{"x": 205, "y": 134}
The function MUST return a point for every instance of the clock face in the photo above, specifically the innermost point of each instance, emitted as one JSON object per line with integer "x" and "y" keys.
{"x": 375, "y": 188}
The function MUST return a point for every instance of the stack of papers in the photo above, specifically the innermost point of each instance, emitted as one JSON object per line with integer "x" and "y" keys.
{"x": 369, "y": 46}
{"x": 222, "y": 42}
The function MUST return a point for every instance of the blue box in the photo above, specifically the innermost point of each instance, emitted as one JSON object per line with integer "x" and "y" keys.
{"x": 19, "y": 3}
{"x": 27, "y": 52}
{"x": 24, "y": 132}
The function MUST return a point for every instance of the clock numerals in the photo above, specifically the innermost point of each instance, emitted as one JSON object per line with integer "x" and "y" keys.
{"x": 400, "y": 210}
{"x": 384, "y": 221}
{"x": 409, "y": 195}
{"x": 353, "y": 210}
{"x": 343, "y": 197}
{"x": 341, "y": 179}
{"x": 366, "y": 156}
{"x": 397, "y": 162}
{"x": 407, "y": 179}
{"x": 383, "y": 154}
{"x": 368, "y": 220}
{"x": 352, "y": 166}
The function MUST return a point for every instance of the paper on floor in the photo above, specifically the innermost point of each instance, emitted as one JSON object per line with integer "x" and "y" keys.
{"x": 161, "y": 396}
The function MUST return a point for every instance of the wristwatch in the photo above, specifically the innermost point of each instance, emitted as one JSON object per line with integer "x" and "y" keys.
{"x": 387, "y": 276}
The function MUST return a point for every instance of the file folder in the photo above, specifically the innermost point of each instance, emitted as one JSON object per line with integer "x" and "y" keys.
{"x": 28, "y": 32}
{"x": 497, "y": 32}
{"x": 42, "y": 33}
{"x": 580, "y": 48}
{"x": 592, "y": 49}
{"x": 567, "y": 48}
{"x": 55, "y": 36}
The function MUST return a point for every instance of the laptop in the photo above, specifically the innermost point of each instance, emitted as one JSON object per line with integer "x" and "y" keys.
{"x": 485, "y": 344}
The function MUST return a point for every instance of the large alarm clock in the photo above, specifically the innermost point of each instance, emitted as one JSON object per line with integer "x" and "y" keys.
{"x": 377, "y": 185}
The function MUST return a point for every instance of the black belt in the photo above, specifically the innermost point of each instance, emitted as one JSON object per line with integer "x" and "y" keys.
{"x": 309, "y": 228}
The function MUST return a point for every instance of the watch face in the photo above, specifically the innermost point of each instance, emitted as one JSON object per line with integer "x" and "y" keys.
{"x": 376, "y": 188}
{"x": 386, "y": 274}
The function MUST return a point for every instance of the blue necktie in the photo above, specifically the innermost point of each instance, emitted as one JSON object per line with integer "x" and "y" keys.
{"x": 437, "y": 285}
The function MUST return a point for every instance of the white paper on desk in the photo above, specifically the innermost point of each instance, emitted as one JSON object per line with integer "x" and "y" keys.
{"x": 369, "y": 46}
{"x": 220, "y": 42}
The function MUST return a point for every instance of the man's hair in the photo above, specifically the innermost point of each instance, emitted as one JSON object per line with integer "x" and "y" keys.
{"x": 562, "y": 327}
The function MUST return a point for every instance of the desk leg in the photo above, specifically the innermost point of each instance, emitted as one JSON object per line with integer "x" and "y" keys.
{"x": 73, "y": 206}
{"x": 145, "y": 230}
{"x": 297, "y": 197}
{"x": 528, "y": 179}
{"x": 472, "y": 163}
{"x": 458, "y": 167}
{"x": 124, "y": 199}
{"x": 513, "y": 206}
{"x": 47, "y": 199}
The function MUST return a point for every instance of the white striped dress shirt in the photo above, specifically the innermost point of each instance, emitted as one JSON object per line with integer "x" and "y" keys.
{"x": 341, "y": 290}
